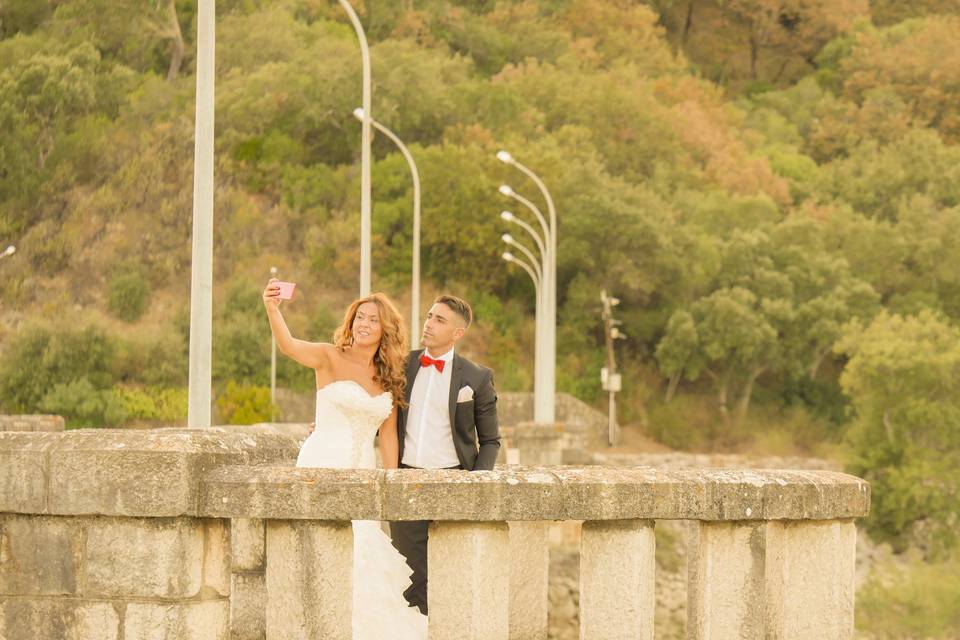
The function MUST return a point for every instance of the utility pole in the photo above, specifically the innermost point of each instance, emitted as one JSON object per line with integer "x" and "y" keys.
{"x": 273, "y": 366}
{"x": 609, "y": 377}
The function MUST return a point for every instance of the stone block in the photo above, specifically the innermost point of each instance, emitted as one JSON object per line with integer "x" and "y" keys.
{"x": 288, "y": 493}
{"x": 495, "y": 496}
{"x": 147, "y": 473}
{"x": 309, "y": 580}
{"x": 39, "y": 555}
{"x": 539, "y": 444}
{"x": 529, "y": 580}
{"x": 34, "y": 423}
{"x": 143, "y": 557}
{"x": 469, "y": 591}
{"x": 726, "y": 567}
{"x": 247, "y": 544}
{"x": 248, "y": 606}
{"x": 771, "y": 581}
{"x": 206, "y": 620}
{"x": 216, "y": 559}
{"x": 810, "y": 580}
{"x": 617, "y": 579}
{"x": 24, "y": 468}
{"x": 58, "y": 619}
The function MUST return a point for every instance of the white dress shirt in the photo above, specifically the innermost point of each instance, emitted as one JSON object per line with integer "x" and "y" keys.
{"x": 428, "y": 441}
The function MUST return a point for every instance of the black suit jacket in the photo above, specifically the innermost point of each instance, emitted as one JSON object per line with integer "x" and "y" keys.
{"x": 476, "y": 430}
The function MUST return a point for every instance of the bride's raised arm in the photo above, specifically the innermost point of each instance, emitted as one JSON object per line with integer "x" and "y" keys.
{"x": 309, "y": 354}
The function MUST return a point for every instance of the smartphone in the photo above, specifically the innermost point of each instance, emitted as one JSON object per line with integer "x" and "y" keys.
{"x": 286, "y": 289}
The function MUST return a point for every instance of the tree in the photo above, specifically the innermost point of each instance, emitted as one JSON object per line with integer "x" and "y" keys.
{"x": 903, "y": 378}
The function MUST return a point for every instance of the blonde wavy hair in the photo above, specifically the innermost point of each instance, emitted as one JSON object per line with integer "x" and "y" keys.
{"x": 391, "y": 356}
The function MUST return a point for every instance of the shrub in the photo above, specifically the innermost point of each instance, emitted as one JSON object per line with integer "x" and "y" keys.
{"x": 243, "y": 404}
{"x": 39, "y": 357}
{"x": 129, "y": 295}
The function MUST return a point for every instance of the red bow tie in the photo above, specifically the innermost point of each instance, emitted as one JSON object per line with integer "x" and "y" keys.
{"x": 426, "y": 361}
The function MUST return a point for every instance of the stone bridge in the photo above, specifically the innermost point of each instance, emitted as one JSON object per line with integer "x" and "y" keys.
{"x": 212, "y": 535}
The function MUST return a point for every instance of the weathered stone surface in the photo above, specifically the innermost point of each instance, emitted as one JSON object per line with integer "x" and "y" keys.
{"x": 501, "y": 495}
{"x": 290, "y": 493}
{"x": 39, "y": 555}
{"x": 529, "y": 579}
{"x": 248, "y": 606}
{"x": 57, "y": 619}
{"x": 469, "y": 591}
{"x": 247, "y": 544}
{"x": 24, "y": 469}
{"x": 518, "y": 493}
{"x": 34, "y": 423}
{"x": 209, "y": 620}
{"x": 539, "y": 444}
{"x": 810, "y": 580}
{"x": 216, "y": 559}
{"x": 771, "y": 581}
{"x": 726, "y": 581}
{"x": 145, "y": 473}
{"x": 143, "y": 557}
{"x": 309, "y": 580}
{"x": 617, "y": 578}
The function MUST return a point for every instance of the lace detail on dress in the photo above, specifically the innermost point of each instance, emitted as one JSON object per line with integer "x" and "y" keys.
{"x": 364, "y": 413}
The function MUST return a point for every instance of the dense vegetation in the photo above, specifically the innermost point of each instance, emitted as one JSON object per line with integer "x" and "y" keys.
{"x": 772, "y": 188}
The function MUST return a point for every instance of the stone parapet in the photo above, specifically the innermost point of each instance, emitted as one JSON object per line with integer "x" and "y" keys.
{"x": 123, "y": 473}
{"x": 32, "y": 422}
{"x": 518, "y": 493}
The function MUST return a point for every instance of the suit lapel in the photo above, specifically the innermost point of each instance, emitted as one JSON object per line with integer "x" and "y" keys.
{"x": 456, "y": 378}
{"x": 413, "y": 368}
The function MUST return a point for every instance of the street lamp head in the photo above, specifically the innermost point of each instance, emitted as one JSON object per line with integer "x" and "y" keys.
{"x": 505, "y": 157}
{"x": 273, "y": 271}
{"x": 358, "y": 113}
{"x": 507, "y": 238}
{"x": 9, "y": 251}
{"x": 506, "y": 190}
{"x": 614, "y": 302}
{"x": 508, "y": 256}
{"x": 506, "y": 215}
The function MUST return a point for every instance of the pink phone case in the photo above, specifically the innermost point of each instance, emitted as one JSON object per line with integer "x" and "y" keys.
{"x": 286, "y": 290}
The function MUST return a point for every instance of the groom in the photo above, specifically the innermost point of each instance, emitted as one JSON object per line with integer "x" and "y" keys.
{"x": 450, "y": 422}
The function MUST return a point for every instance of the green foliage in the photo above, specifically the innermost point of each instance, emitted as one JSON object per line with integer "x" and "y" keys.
{"x": 903, "y": 379}
{"x": 129, "y": 295}
{"x": 916, "y": 600}
{"x": 243, "y": 404}
{"x": 40, "y": 357}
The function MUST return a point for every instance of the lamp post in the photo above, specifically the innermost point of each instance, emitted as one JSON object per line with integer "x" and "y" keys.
{"x": 544, "y": 400}
{"x": 364, "y": 153}
{"x": 415, "y": 268}
{"x": 201, "y": 265}
{"x": 9, "y": 251}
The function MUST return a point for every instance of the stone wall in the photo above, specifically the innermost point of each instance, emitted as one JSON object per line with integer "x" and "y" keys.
{"x": 31, "y": 423}
{"x": 184, "y": 534}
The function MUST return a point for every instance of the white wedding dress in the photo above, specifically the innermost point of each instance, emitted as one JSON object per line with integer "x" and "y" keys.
{"x": 347, "y": 420}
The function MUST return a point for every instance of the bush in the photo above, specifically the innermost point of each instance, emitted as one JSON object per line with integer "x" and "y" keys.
{"x": 916, "y": 600}
{"x": 83, "y": 405}
{"x": 40, "y": 357}
{"x": 129, "y": 295}
{"x": 242, "y": 404}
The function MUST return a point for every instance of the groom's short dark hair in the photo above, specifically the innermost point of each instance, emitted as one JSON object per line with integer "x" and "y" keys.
{"x": 458, "y": 305}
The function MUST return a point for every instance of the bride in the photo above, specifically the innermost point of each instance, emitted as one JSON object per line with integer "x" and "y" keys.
{"x": 360, "y": 384}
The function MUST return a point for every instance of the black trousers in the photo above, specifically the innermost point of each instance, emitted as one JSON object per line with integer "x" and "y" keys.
{"x": 410, "y": 539}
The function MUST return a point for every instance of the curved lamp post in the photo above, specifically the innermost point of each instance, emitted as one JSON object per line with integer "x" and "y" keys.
{"x": 364, "y": 153}
{"x": 415, "y": 268}
{"x": 544, "y": 398}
